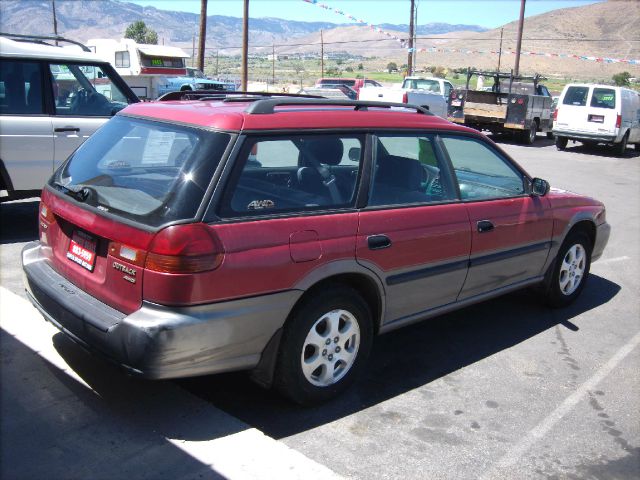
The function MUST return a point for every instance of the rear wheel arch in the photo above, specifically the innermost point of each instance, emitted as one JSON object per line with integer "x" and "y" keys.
{"x": 366, "y": 287}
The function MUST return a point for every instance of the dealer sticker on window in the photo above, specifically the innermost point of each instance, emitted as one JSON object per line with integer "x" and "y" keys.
{"x": 82, "y": 250}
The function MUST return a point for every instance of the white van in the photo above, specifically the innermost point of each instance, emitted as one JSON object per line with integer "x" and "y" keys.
{"x": 594, "y": 114}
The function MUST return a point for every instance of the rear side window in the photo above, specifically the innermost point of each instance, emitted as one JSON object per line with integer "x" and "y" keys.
{"x": 407, "y": 170}
{"x": 603, "y": 98}
{"x": 20, "y": 88}
{"x": 148, "y": 172}
{"x": 293, "y": 174}
{"x": 576, "y": 96}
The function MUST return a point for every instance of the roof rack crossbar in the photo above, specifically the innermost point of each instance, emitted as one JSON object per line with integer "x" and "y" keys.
{"x": 267, "y": 106}
{"x": 44, "y": 37}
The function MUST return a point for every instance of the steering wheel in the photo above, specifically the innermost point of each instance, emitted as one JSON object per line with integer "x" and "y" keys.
{"x": 89, "y": 102}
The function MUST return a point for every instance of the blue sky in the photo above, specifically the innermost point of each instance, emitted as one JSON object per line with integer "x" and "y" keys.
{"x": 487, "y": 13}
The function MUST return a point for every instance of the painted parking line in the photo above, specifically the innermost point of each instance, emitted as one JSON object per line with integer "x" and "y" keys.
{"x": 606, "y": 261}
{"x": 501, "y": 468}
{"x": 247, "y": 454}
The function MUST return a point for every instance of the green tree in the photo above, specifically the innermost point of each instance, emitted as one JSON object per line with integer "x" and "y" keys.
{"x": 360, "y": 66}
{"x": 348, "y": 69}
{"x": 621, "y": 79}
{"x": 140, "y": 33}
{"x": 391, "y": 66}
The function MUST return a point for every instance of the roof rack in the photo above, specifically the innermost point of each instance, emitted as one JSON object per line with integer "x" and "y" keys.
{"x": 267, "y": 106}
{"x": 39, "y": 39}
{"x": 226, "y": 95}
{"x": 265, "y": 102}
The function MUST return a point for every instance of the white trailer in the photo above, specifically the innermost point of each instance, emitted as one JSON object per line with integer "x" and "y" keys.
{"x": 143, "y": 67}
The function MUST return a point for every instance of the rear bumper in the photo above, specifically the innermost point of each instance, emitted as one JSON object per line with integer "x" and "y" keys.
{"x": 594, "y": 137}
{"x": 602, "y": 238}
{"x": 158, "y": 341}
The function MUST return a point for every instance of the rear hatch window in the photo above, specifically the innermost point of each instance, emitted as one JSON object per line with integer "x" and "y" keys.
{"x": 576, "y": 96}
{"x": 151, "y": 173}
{"x": 603, "y": 98}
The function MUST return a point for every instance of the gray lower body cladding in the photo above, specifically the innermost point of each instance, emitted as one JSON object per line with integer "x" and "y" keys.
{"x": 158, "y": 341}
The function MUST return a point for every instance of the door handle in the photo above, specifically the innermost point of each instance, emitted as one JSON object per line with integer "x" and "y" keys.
{"x": 485, "y": 226}
{"x": 378, "y": 242}
{"x": 66, "y": 129}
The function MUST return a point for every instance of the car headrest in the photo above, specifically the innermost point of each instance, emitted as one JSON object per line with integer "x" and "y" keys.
{"x": 327, "y": 151}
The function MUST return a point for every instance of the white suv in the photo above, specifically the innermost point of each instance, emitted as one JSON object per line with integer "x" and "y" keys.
{"x": 51, "y": 100}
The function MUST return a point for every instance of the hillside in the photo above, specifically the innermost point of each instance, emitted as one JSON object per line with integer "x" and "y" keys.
{"x": 608, "y": 29}
{"x": 84, "y": 19}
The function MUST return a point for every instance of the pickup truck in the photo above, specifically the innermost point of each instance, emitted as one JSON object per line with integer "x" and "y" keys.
{"x": 514, "y": 104}
{"x": 431, "y": 93}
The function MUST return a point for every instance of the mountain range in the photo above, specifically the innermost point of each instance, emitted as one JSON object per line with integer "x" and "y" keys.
{"x": 604, "y": 29}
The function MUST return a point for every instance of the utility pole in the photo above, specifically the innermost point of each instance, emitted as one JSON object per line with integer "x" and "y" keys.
{"x": 193, "y": 50}
{"x": 411, "y": 26}
{"x": 500, "y": 50}
{"x": 245, "y": 47}
{"x": 516, "y": 70}
{"x": 217, "y": 61}
{"x": 203, "y": 34}
{"x": 273, "y": 64}
{"x": 415, "y": 36}
{"x": 321, "y": 55}
{"x": 55, "y": 21}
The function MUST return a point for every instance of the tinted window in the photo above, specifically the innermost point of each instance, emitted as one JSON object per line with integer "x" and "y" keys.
{"x": 149, "y": 172}
{"x": 481, "y": 172}
{"x": 290, "y": 174}
{"x": 85, "y": 90}
{"x": 576, "y": 96}
{"x": 20, "y": 88}
{"x": 407, "y": 170}
{"x": 603, "y": 98}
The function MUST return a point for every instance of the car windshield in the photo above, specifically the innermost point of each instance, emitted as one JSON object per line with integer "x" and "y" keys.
{"x": 149, "y": 172}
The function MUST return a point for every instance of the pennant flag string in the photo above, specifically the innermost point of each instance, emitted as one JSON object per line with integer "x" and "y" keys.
{"x": 590, "y": 58}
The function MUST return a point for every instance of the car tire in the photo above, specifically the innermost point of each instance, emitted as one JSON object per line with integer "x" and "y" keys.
{"x": 529, "y": 136}
{"x": 324, "y": 346}
{"x": 621, "y": 147}
{"x": 561, "y": 143}
{"x": 570, "y": 271}
{"x": 550, "y": 135}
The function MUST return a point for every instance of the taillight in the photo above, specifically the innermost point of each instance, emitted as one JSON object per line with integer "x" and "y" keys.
{"x": 46, "y": 213}
{"x": 520, "y": 101}
{"x": 46, "y": 220}
{"x": 405, "y": 98}
{"x": 555, "y": 114}
{"x": 618, "y": 121}
{"x": 184, "y": 249}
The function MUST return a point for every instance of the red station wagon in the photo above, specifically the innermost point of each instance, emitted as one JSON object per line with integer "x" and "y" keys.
{"x": 281, "y": 234}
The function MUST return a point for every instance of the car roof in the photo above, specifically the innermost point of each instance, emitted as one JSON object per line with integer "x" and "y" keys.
{"x": 237, "y": 116}
{"x": 20, "y": 49}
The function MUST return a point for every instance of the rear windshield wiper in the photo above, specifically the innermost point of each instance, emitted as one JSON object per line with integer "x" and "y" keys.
{"x": 79, "y": 192}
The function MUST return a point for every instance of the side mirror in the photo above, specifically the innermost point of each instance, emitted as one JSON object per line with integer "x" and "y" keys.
{"x": 354, "y": 154}
{"x": 539, "y": 187}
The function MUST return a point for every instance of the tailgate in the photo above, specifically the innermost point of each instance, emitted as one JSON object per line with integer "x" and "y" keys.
{"x": 83, "y": 247}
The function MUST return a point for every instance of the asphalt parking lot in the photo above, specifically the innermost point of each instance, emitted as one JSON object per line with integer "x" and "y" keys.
{"x": 503, "y": 389}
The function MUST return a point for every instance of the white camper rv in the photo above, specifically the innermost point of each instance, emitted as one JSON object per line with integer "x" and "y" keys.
{"x": 143, "y": 67}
